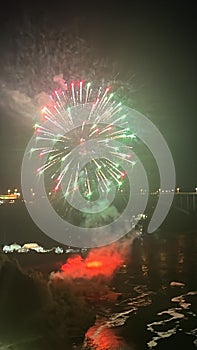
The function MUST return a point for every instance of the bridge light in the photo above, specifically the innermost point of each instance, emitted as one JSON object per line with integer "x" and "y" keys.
{"x": 178, "y": 189}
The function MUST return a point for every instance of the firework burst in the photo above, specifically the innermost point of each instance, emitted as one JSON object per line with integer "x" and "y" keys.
{"x": 80, "y": 121}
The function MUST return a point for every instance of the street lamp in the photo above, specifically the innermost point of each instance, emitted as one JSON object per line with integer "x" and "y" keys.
{"x": 178, "y": 189}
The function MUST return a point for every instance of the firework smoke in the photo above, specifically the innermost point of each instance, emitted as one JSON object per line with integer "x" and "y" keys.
{"x": 35, "y": 60}
{"x": 101, "y": 263}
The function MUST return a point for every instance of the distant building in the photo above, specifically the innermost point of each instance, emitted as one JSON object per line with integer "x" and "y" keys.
{"x": 11, "y": 248}
{"x": 58, "y": 250}
{"x": 30, "y": 246}
{"x": 9, "y": 197}
{"x": 27, "y": 247}
{"x": 6, "y": 249}
{"x": 35, "y": 247}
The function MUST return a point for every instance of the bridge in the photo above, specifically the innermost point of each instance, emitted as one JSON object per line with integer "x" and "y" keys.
{"x": 182, "y": 213}
{"x": 182, "y": 201}
{"x": 185, "y": 202}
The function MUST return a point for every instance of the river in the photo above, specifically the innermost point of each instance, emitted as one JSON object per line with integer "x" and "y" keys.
{"x": 158, "y": 305}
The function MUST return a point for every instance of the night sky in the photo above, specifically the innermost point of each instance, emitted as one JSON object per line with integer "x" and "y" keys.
{"x": 155, "y": 41}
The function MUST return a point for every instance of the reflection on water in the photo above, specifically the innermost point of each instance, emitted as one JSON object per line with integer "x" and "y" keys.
{"x": 153, "y": 311}
{"x": 101, "y": 336}
{"x": 174, "y": 320}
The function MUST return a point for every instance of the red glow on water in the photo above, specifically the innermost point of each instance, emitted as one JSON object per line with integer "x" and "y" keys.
{"x": 93, "y": 264}
{"x": 99, "y": 262}
{"x": 101, "y": 337}
{"x": 90, "y": 276}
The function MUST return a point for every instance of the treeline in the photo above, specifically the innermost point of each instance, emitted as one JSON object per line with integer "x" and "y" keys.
{"x": 31, "y": 306}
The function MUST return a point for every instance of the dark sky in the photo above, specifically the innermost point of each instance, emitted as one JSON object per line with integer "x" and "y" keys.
{"x": 156, "y": 41}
